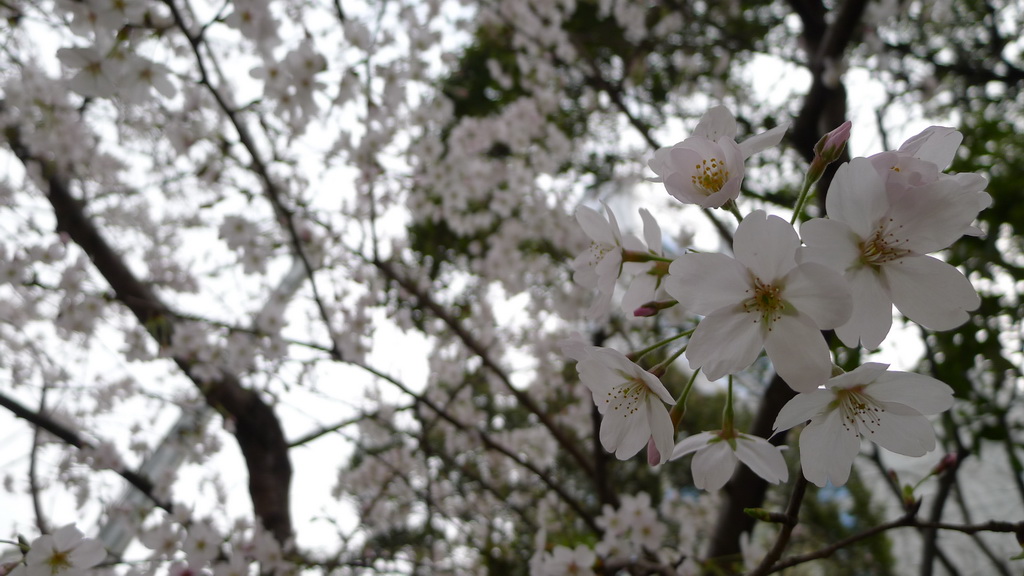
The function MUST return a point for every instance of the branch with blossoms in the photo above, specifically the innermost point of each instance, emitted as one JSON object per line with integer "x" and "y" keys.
{"x": 777, "y": 293}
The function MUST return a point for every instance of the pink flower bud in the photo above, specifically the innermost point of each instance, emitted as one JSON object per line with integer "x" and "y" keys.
{"x": 653, "y": 456}
{"x": 832, "y": 144}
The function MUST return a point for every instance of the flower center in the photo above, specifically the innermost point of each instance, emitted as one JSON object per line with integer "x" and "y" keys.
{"x": 883, "y": 245}
{"x": 766, "y": 301}
{"x": 859, "y": 411}
{"x": 627, "y": 397}
{"x": 710, "y": 175}
{"x": 59, "y": 562}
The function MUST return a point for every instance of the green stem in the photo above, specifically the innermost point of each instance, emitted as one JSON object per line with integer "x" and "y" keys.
{"x": 634, "y": 356}
{"x": 805, "y": 192}
{"x": 727, "y": 414}
{"x": 731, "y": 207}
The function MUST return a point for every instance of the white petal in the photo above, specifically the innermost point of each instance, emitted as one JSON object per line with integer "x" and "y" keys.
{"x": 726, "y": 341}
{"x": 596, "y": 227}
{"x": 857, "y": 196}
{"x": 819, "y": 292}
{"x": 798, "y": 352}
{"x": 652, "y": 231}
{"x": 924, "y": 394}
{"x": 827, "y": 450}
{"x": 908, "y": 435}
{"x": 764, "y": 459}
{"x": 703, "y": 283}
{"x": 801, "y": 408}
{"x": 641, "y": 291}
{"x": 713, "y": 466}
{"x": 661, "y": 426}
{"x": 872, "y": 310}
{"x": 934, "y": 216}
{"x": 755, "y": 144}
{"x": 829, "y": 242}
{"x": 717, "y": 123}
{"x": 930, "y": 292}
{"x": 692, "y": 444}
{"x": 766, "y": 245}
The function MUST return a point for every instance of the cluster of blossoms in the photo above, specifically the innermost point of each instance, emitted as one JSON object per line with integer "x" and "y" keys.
{"x": 777, "y": 292}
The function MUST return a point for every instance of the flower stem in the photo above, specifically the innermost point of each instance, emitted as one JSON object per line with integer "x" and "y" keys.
{"x": 634, "y": 356}
{"x": 728, "y": 414}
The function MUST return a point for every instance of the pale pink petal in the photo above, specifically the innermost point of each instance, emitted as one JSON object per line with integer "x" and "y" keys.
{"x": 936, "y": 144}
{"x": 655, "y": 386}
{"x": 798, "y": 352}
{"x": 857, "y": 196}
{"x": 595, "y": 226}
{"x": 703, "y": 283}
{"x": 623, "y": 434}
{"x": 725, "y": 342}
{"x": 716, "y": 124}
{"x": 930, "y": 292}
{"x": 755, "y": 144}
{"x": 819, "y": 292}
{"x": 88, "y": 554}
{"x": 713, "y": 466}
{"x": 829, "y": 242}
{"x": 872, "y": 310}
{"x": 866, "y": 373}
{"x": 766, "y": 245}
{"x": 764, "y": 459}
{"x": 923, "y": 393}
{"x": 801, "y": 408}
{"x": 932, "y": 217}
{"x": 827, "y": 450}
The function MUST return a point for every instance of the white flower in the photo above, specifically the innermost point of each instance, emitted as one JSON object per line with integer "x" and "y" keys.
{"x": 96, "y": 72}
{"x": 760, "y": 298}
{"x": 717, "y": 453}
{"x": 631, "y": 399}
{"x": 920, "y": 161}
{"x": 644, "y": 286}
{"x": 870, "y": 402}
{"x": 707, "y": 168}
{"x": 599, "y": 267}
{"x": 63, "y": 553}
{"x": 565, "y": 561}
{"x": 879, "y": 244}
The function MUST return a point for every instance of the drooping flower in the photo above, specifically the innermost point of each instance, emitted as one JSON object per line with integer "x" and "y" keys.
{"x": 707, "y": 168}
{"x": 600, "y": 265}
{"x": 762, "y": 298}
{"x": 63, "y": 553}
{"x": 872, "y": 403}
{"x": 646, "y": 283}
{"x": 880, "y": 245}
{"x": 717, "y": 453}
{"x": 632, "y": 400}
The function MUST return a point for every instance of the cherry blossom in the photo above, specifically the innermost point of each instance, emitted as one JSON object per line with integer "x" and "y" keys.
{"x": 870, "y": 402}
{"x": 879, "y": 244}
{"x": 717, "y": 453}
{"x": 707, "y": 168}
{"x": 64, "y": 553}
{"x": 760, "y": 298}
{"x": 631, "y": 399}
{"x": 647, "y": 282}
{"x": 600, "y": 265}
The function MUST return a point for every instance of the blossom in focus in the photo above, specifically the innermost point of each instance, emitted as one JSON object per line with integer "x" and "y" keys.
{"x": 631, "y": 399}
{"x": 879, "y": 243}
{"x": 870, "y": 402}
{"x": 717, "y": 454}
{"x": 707, "y": 168}
{"x": 63, "y": 553}
{"x": 600, "y": 265}
{"x": 761, "y": 298}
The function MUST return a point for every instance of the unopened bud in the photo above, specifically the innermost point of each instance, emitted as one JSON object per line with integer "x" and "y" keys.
{"x": 653, "y": 456}
{"x": 832, "y": 144}
{"x": 653, "y": 307}
{"x": 948, "y": 462}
